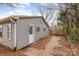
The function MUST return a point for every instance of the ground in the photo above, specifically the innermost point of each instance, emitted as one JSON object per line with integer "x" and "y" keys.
{"x": 48, "y": 46}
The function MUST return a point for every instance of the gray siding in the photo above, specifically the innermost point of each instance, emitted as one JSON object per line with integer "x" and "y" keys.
{"x": 21, "y": 34}
{"x": 23, "y": 31}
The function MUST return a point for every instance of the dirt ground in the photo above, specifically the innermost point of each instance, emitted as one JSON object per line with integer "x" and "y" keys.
{"x": 48, "y": 46}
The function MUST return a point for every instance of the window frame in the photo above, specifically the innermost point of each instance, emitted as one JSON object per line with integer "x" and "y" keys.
{"x": 30, "y": 30}
{"x": 9, "y": 31}
{"x": 38, "y": 29}
{"x": 44, "y": 29}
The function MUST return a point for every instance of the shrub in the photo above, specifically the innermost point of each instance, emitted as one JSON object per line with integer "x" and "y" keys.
{"x": 73, "y": 38}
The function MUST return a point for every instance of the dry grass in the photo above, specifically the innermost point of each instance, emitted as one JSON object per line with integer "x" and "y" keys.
{"x": 5, "y": 51}
{"x": 60, "y": 51}
{"x": 50, "y": 45}
{"x": 41, "y": 43}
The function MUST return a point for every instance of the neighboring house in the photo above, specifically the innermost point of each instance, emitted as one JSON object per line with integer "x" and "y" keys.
{"x": 20, "y": 31}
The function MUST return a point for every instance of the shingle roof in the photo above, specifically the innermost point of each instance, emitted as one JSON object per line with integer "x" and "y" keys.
{"x": 16, "y": 17}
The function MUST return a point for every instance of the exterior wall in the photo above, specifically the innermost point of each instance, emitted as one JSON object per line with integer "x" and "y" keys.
{"x": 4, "y": 40}
{"x": 22, "y": 37}
{"x": 22, "y": 30}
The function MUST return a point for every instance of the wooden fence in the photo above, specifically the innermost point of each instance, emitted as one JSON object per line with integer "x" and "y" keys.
{"x": 57, "y": 30}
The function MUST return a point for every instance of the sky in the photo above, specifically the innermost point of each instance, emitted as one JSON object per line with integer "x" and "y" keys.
{"x": 29, "y": 9}
{"x": 20, "y": 9}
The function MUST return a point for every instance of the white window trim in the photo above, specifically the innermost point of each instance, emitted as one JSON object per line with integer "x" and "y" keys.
{"x": 9, "y": 38}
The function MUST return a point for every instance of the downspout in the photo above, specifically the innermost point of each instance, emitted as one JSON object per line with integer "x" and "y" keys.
{"x": 14, "y": 33}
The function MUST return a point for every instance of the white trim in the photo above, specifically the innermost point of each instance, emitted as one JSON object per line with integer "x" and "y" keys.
{"x": 9, "y": 32}
{"x": 15, "y": 34}
{"x": 31, "y": 36}
{"x": 14, "y": 31}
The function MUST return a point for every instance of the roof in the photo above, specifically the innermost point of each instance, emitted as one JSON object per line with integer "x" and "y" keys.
{"x": 16, "y": 17}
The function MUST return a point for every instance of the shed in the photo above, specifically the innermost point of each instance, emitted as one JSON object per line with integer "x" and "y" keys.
{"x": 19, "y": 31}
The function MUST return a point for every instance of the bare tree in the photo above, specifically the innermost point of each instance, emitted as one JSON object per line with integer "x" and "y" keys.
{"x": 46, "y": 12}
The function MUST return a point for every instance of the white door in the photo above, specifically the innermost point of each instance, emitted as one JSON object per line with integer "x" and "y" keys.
{"x": 31, "y": 33}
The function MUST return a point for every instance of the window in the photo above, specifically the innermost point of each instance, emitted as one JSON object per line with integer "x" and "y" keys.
{"x": 38, "y": 29}
{"x": 30, "y": 30}
{"x": 8, "y": 31}
{"x": 44, "y": 29}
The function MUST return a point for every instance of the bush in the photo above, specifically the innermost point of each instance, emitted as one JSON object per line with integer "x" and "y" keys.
{"x": 73, "y": 38}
